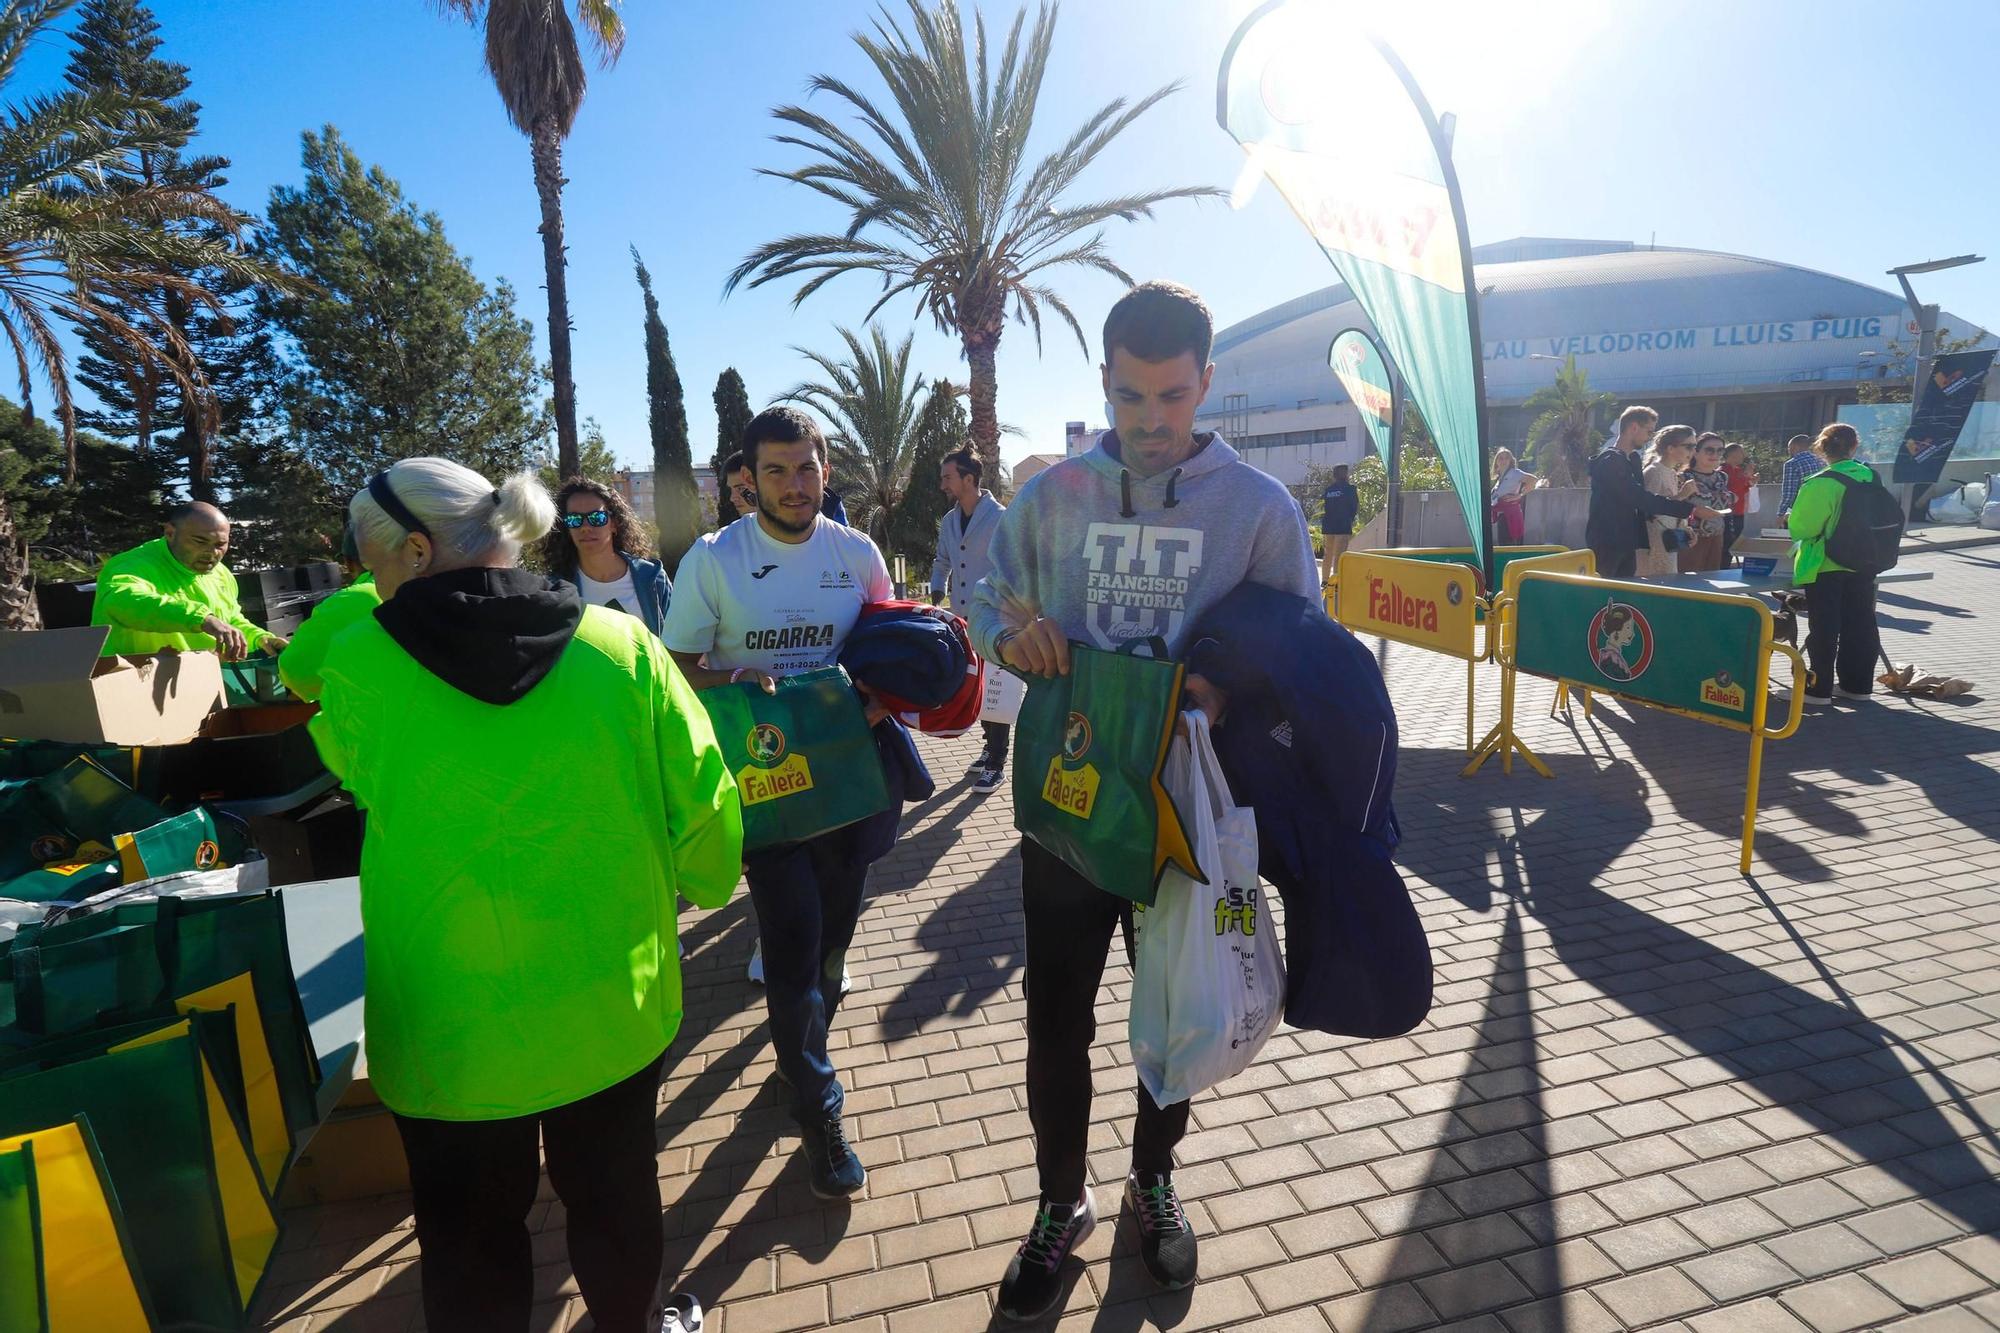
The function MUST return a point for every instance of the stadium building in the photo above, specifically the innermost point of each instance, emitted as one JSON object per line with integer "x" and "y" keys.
{"x": 1747, "y": 347}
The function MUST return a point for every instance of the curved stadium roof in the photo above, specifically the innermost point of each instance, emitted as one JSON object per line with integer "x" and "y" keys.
{"x": 1542, "y": 297}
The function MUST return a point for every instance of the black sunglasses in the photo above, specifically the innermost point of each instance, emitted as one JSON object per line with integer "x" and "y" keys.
{"x": 597, "y": 518}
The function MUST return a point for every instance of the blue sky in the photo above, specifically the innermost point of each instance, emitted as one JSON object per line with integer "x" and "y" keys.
{"x": 1833, "y": 134}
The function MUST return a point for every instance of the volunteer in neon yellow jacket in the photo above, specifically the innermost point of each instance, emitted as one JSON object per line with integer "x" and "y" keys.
{"x": 1842, "y": 636}
{"x": 299, "y": 665}
{"x": 175, "y": 593}
{"x": 540, "y": 782}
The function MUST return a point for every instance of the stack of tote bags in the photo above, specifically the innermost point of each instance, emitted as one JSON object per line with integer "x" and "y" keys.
{"x": 156, "y": 1073}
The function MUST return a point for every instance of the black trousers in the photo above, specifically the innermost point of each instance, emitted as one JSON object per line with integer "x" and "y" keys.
{"x": 1069, "y": 923}
{"x": 1842, "y": 638}
{"x": 996, "y": 741}
{"x": 473, "y": 1182}
{"x": 1732, "y": 528}
{"x": 1620, "y": 564}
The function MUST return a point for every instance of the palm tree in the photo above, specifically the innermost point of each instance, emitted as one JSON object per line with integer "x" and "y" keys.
{"x": 947, "y": 205}
{"x": 70, "y": 247}
{"x": 1565, "y": 433}
{"x": 533, "y": 56}
{"x": 872, "y": 404}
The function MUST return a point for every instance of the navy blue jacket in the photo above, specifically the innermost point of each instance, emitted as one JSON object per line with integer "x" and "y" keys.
{"x": 1309, "y": 742}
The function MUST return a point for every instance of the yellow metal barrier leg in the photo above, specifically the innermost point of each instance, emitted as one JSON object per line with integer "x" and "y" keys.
{"x": 1471, "y": 687}
{"x": 1750, "y": 795}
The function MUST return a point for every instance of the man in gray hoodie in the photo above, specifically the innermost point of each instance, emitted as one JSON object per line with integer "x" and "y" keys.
{"x": 1135, "y": 539}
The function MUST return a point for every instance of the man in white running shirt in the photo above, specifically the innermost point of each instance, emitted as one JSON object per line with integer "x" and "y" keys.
{"x": 771, "y": 596}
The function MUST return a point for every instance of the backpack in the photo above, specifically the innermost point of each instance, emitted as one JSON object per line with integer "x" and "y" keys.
{"x": 1869, "y": 530}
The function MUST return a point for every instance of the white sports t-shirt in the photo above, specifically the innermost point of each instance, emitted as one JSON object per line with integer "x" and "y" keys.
{"x": 745, "y": 599}
{"x": 619, "y": 594}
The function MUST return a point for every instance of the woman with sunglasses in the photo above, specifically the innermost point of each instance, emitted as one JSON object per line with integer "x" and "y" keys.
{"x": 1666, "y": 459}
{"x": 598, "y": 547}
{"x": 1711, "y": 490}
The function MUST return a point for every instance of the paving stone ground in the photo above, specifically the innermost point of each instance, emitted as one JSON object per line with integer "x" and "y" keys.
{"x": 1652, "y": 1093}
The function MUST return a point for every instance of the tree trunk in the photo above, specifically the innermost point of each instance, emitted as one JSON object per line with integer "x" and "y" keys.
{"x": 195, "y": 445}
{"x": 983, "y": 390}
{"x": 546, "y": 141}
{"x": 17, "y": 577}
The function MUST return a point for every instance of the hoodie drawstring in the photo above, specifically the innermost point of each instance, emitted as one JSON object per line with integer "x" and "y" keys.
{"x": 1172, "y": 477}
{"x": 1125, "y": 509}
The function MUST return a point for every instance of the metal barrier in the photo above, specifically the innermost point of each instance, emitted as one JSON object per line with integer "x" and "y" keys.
{"x": 1502, "y": 739}
{"x": 1426, "y": 603}
{"x": 1701, "y": 655}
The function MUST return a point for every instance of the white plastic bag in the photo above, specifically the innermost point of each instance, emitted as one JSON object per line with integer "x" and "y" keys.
{"x": 1004, "y": 693}
{"x": 1752, "y": 503}
{"x": 1950, "y": 507}
{"x": 1210, "y": 978}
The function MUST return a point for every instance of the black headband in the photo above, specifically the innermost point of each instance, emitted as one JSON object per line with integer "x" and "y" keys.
{"x": 380, "y": 491}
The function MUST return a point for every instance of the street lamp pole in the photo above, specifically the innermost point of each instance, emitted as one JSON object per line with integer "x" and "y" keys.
{"x": 1926, "y": 315}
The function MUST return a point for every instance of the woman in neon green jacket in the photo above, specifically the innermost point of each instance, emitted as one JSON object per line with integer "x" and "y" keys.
{"x": 540, "y": 783}
{"x": 1842, "y": 637}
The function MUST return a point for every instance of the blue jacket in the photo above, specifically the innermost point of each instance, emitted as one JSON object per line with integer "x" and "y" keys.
{"x": 1309, "y": 742}
{"x": 649, "y": 581}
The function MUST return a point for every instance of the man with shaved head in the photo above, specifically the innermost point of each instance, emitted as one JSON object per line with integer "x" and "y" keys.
{"x": 174, "y": 592}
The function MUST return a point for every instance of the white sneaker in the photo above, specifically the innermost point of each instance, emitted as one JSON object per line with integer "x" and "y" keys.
{"x": 846, "y": 981}
{"x": 682, "y": 1315}
{"x": 1852, "y": 694}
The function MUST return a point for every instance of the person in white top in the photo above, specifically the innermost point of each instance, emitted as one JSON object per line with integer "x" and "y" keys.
{"x": 964, "y": 535}
{"x": 776, "y": 593}
{"x": 599, "y": 546}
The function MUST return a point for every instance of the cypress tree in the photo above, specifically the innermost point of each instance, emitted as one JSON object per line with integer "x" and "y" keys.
{"x": 732, "y": 414}
{"x": 676, "y": 500}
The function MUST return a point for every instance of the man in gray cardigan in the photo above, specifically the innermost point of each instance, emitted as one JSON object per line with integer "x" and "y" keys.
{"x": 964, "y": 534}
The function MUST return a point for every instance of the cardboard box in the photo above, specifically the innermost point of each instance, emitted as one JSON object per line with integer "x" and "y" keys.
{"x": 55, "y": 686}
{"x": 241, "y": 754}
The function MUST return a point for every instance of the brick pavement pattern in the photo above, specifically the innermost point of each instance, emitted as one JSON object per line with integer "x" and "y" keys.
{"x": 1651, "y": 1094}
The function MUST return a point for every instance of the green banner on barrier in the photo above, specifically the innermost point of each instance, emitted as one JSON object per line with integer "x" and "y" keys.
{"x": 1699, "y": 652}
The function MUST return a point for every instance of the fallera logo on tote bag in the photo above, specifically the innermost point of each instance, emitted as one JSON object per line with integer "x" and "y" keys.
{"x": 1073, "y": 791}
{"x": 770, "y": 774}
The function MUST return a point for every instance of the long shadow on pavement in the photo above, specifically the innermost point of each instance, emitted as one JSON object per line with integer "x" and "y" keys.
{"x": 1813, "y": 1055}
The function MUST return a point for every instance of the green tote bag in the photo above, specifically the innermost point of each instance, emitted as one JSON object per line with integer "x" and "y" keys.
{"x": 175, "y": 1151}
{"x": 1088, "y": 753}
{"x": 803, "y": 758}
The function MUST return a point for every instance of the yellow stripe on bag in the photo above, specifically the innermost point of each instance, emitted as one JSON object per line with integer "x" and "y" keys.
{"x": 270, "y": 1139}
{"x": 89, "y": 1283}
{"x": 247, "y": 1214}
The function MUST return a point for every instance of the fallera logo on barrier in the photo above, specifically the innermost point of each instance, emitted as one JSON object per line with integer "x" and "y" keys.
{"x": 1390, "y": 605}
{"x": 1073, "y": 791}
{"x": 1724, "y": 692}
{"x": 770, "y": 774}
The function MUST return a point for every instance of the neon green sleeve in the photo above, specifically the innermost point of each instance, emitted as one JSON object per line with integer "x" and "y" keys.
{"x": 704, "y": 817}
{"x": 1814, "y": 510}
{"x": 132, "y": 601}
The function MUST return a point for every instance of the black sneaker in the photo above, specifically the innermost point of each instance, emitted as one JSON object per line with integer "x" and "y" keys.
{"x": 988, "y": 778}
{"x": 836, "y": 1171}
{"x": 1166, "y": 1241}
{"x": 1033, "y": 1283}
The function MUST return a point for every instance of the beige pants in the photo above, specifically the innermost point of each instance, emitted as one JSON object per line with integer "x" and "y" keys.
{"x": 1335, "y": 546}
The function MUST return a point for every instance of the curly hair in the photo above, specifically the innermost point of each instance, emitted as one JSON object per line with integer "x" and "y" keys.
{"x": 628, "y": 534}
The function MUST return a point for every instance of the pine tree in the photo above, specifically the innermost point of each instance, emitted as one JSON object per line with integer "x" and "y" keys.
{"x": 732, "y": 414}
{"x": 391, "y": 347}
{"x": 676, "y": 499}
{"x": 116, "y": 49}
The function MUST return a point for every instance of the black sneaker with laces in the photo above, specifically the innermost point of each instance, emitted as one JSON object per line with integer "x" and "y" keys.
{"x": 1033, "y": 1282}
{"x": 1166, "y": 1241}
{"x": 836, "y": 1171}
{"x": 988, "y": 778}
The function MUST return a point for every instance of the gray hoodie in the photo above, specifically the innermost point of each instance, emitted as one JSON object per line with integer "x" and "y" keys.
{"x": 1112, "y": 556}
